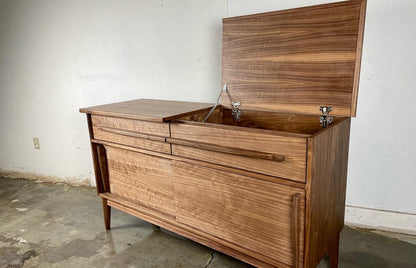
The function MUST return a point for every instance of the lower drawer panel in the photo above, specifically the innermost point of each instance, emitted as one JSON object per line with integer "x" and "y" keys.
{"x": 252, "y": 213}
{"x": 142, "y": 179}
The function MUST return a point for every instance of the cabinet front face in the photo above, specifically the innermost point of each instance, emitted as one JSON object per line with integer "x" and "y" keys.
{"x": 142, "y": 179}
{"x": 254, "y": 214}
{"x": 292, "y": 151}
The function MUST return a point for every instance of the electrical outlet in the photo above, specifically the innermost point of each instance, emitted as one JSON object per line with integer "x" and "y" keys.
{"x": 36, "y": 143}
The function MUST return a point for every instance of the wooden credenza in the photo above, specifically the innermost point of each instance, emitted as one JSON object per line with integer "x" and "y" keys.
{"x": 269, "y": 188}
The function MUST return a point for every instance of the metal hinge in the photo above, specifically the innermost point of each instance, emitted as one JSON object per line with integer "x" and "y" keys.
{"x": 235, "y": 111}
{"x": 325, "y": 119}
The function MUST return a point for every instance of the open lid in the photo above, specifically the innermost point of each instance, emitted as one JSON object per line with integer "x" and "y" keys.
{"x": 295, "y": 60}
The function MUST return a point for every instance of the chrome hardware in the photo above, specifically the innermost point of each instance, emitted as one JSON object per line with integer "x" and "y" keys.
{"x": 235, "y": 111}
{"x": 224, "y": 88}
{"x": 325, "y": 119}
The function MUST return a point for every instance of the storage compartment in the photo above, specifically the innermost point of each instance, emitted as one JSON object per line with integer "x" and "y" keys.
{"x": 142, "y": 179}
{"x": 284, "y": 122}
{"x": 252, "y": 144}
{"x": 255, "y": 214}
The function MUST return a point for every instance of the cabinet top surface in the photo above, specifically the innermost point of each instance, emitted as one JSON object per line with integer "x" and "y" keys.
{"x": 295, "y": 60}
{"x": 147, "y": 109}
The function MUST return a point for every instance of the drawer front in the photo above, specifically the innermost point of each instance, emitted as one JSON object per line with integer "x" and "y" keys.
{"x": 145, "y": 127}
{"x": 251, "y": 213}
{"x": 136, "y": 133}
{"x": 291, "y": 165}
{"x": 142, "y": 179}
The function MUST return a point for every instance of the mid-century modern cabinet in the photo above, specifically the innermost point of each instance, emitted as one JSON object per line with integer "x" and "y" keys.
{"x": 261, "y": 176}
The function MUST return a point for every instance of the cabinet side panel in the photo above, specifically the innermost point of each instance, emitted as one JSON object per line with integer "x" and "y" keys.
{"x": 327, "y": 188}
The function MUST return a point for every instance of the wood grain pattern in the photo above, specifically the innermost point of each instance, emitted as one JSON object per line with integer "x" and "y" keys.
{"x": 207, "y": 164}
{"x": 132, "y": 134}
{"x": 219, "y": 183}
{"x": 294, "y": 149}
{"x": 333, "y": 253}
{"x": 358, "y": 57}
{"x": 284, "y": 122}
{"x": 187, "y": 231}
{"x": 242, "y": 210}
{"x": 296, "y": 217}
{"x": 294, "y": 61}
{"x": 102, "y": 161}
{"x": 148, "y": 110}
{"x": 326, "y": 196}
{"x": 107, "y": 214}
{"x": 228, "y": 150}
{"x": 94, "y": 152}
{"x": 147, "y": 143}
{"x": 143, "y": 179}
{"x": 139, "y": 126}
{"x": 294, "y": 123}
{"x": 215, "y": 117}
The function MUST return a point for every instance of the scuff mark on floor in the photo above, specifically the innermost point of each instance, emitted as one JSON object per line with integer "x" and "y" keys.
{"x": 9, "y": 257}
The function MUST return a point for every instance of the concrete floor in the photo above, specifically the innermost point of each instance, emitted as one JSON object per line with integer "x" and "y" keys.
{"x": 56, "y": 225}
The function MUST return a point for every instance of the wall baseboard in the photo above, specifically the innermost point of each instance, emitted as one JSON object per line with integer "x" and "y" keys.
{"x": 42, "y": 178}
{"x": 391, "y": 221}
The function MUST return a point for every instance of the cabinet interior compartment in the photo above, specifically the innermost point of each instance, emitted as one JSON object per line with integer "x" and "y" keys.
{"x": 286, "y": 122}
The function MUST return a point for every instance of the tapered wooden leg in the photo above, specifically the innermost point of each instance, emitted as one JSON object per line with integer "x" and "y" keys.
{"x": 107, "y": 214}
{"x": 155, "y": 227}
{"x": 333, "y": 253}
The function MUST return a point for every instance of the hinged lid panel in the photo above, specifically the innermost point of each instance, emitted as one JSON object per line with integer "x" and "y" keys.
{"x": 295, "y": 60}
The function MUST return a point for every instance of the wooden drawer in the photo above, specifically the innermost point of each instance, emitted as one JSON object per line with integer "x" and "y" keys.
{"x": 141, "y": 134}
{"x": 262, "y": 152}
{"x": 255, "y": 214}
{"x": 142, "y": 179}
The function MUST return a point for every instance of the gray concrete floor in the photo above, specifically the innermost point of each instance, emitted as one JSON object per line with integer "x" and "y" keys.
{"x": 56, "y": 225}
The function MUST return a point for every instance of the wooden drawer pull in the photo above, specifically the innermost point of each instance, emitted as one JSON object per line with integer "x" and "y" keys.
{"x": 132, "y": 134}
{"x": 228, "y": 150}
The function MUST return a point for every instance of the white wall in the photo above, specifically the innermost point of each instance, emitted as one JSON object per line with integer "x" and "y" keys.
{"x": 58, "y": 56}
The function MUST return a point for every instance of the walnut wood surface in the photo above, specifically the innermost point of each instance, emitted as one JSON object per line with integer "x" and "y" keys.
{"x": 94, "y": 152}
{"x": 107, "y": 214}
{"x": 327, "y": 176}
{"x": 217, "y": 243}
{"x": 132, "y": 134}
{"x": 212, "y": 184}
{"x": 228, "y": 150}
{"x": 294, "y": 123}
{"x": 142, "y": 179}
{"x": 293, "y": 149}
{"x": 242, "y": 210}
{"x": 295, "y": 60}
{"x": 284, "y": 122}
{"x": 231, "y": 169}
{"x": 102, "y": 161}
{"x": 148, "y": 110}
{"x": 296, "y": 217}
{"x": 138, "y": 126}
{"x": 148, "y": 143}
{"x": 333, "y": 253}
